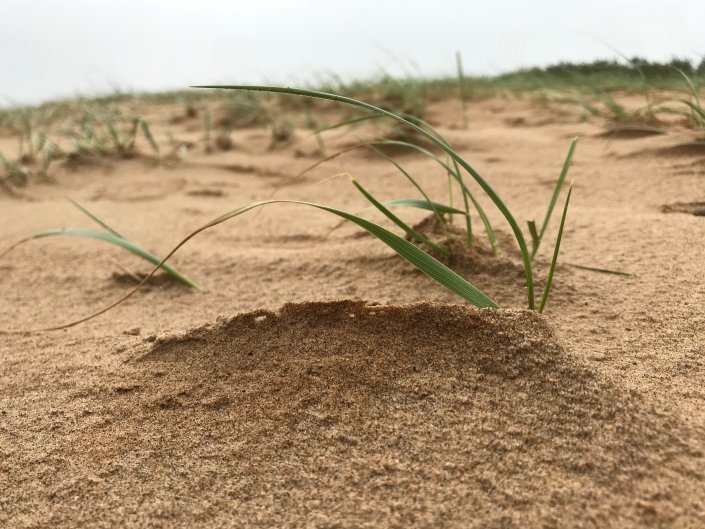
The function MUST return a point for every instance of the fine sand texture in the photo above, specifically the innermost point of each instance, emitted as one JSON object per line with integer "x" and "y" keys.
{"x": 317, "y": 380}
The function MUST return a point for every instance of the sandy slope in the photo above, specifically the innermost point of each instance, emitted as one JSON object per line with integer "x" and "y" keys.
{"x": 346, "y": 414}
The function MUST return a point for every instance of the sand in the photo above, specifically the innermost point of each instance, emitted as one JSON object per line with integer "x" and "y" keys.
{"x": 315, "y": 380}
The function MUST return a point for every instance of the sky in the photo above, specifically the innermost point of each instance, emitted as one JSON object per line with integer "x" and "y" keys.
{"x": 61, "y": 48}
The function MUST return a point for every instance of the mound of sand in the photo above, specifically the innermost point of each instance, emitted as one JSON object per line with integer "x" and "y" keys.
{"x": 344, "y": 414}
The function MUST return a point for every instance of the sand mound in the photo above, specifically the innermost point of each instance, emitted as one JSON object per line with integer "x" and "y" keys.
{"x": 343, "y": 414}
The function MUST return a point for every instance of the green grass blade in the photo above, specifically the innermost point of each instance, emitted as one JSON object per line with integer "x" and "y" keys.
{"x": 148, "y": 134}
{"x": 118, "y": 241}
{"x": 94, "y": 218}
{"x": 424, "y": 204}
{"x": 408, "y": 251}
{"x": 411, "y": 232}
{"x": 486, "y": 187}
{"x": 485, "y": 222}
{"x": 556, "y": 192}
{"x": 549, "y": 279}
{"x": 533, "y": 232}
{"x": 455, "y": 174}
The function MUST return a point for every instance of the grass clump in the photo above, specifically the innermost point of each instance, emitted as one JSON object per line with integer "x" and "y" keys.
{"x": 431, "y": 136}
{"x": 98, "y": 137}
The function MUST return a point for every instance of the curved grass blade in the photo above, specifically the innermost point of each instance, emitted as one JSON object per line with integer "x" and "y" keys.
{"x": 486, "y": 187}
{"x": 112, "y": 239}
{"x": 556, "y": 192}
{"x": 549, "y": 279}
{"x": 411, "y": 232}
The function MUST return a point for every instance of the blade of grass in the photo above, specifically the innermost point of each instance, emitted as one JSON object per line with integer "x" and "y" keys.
{"x": 424, "y": 204}
{"x": 94, "y": 218}
{"x": 112, "y": 239}
{"x": 148, "y": 134}
{"x": 556, "y": 192}
{"x": 549, "y": 279}
{"x": 486, "y": 187}
{"x": 532, "y": 231}
{"x": 347, "y": 122}
{"x": 600, "y": 270}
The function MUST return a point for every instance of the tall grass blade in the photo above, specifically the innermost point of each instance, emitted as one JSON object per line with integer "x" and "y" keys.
{"x": 549, "y": 279}
{"x": 556, "y": 192}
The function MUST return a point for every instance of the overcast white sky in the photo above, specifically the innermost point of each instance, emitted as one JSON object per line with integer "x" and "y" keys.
{"x": 54, "y": 48}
